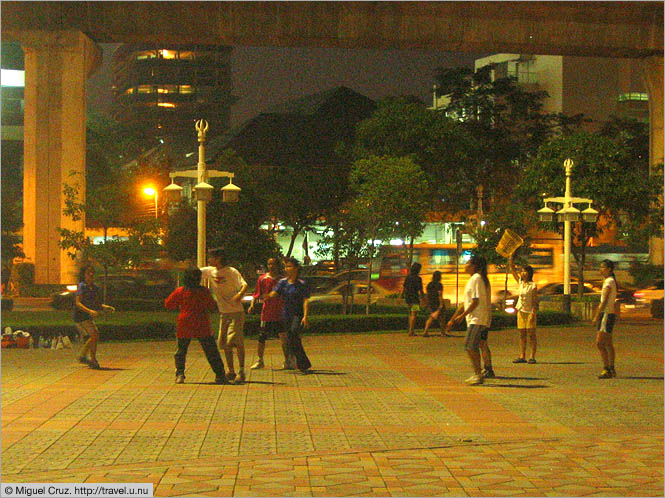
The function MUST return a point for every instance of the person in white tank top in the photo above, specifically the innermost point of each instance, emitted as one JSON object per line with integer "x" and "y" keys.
{"x": 527, "y": 306}
{"x": 605, "y": 318}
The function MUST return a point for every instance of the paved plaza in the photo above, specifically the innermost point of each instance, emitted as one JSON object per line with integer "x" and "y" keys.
{"x": 382, "y": 415}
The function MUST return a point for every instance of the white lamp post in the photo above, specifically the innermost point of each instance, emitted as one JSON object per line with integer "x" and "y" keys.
{"x": 567, "y": 214}
{"x": 203, "y": 191}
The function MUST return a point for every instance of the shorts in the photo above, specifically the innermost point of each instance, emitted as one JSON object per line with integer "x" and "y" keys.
{"x": 269, "y": 329}
{"x": 414, "y": 308}
{"x": 606, "y": 322}
{"x": 87, "y": 328}
{"x": 433, "y": 309}
{"x": 231, "y": 329}
{"x": 475, "y": 334}
{"x": 526, "y": 320}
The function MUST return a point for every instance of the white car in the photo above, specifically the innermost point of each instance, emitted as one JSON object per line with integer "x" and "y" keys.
{"x": 643, "y": 297}
{"x": 359, "y": 290}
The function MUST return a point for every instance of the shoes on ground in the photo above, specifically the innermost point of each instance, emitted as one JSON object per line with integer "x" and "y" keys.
{"x": 258, "y": 365}
{"x": 240, "y": 378}
{"x": 180, "y": 379}
{"x": 221, "y": 379}
{"x": 84, "y": 360}
{"x": 519, "y": 360}
{"x": 94, "y": 365}
{"x": 532, "y": 361}
{"x": 613, "y": 372}
{"x": 289, "y": 365}
{"x": 231, "y": 376}
{"x": 605, "y": 374}
{"x": 488, "y": 373}
{"x": 474, "y": 380}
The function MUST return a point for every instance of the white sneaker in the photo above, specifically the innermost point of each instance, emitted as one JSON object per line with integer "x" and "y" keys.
{"x": 474, "y": 380}
{"x": 259, "y": 364}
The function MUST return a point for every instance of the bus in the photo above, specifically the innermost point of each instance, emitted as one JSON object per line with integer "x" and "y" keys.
{"x": 546, "y": 259}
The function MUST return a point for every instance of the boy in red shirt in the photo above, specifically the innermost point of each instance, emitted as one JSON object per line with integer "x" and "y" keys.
{"x": 194, "y": 301}
{"x": 271, "y": 313}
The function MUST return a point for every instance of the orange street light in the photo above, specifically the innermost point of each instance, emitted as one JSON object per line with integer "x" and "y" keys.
{"x": 150, "y": 191}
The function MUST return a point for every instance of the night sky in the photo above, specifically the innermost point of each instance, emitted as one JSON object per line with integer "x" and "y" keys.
{"x": 265, "y": 76}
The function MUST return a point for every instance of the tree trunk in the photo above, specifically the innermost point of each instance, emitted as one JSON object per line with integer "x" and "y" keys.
{"x": 336, "y": 245}
{"x": 410, "y": 253}
{"x": 296, "y": 232}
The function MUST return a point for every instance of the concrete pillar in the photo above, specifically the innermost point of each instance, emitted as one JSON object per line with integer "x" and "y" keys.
{"x": 652, "y": 72}
{"x": 57, "y": 65}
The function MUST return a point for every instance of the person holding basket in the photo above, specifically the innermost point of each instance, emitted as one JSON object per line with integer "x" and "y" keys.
{"x": 526, "y": 308}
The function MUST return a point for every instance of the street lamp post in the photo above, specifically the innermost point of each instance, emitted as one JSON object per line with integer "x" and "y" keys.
{"x": 203, "y": 191}
{"x": 567, "y": 214}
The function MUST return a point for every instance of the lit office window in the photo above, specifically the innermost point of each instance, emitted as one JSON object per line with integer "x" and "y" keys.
{"x": 166, "y": 104}
{"x": 168, "y": 89}
{"x": 186, "y": 54}
{"x": 129, "y": 91}
{"x": 633, "y": 96}
{"x": 145, "y": 89}
{"x": 186, "y": 89}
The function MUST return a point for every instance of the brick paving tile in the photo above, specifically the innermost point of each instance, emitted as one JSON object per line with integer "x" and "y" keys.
{"x": 408, "y": 426}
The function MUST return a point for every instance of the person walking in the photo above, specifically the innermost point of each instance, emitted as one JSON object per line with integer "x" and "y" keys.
{"x": 271, "y": 314}
{"x": 527, "y": 307}
{"x": 228, "y": 286}
{"x": 605, "y": 317}
{"x": 476, "y": 309}
{"x": 194, "y": 302}
{"x": 435, "y": 304}
{"x": 413, "y": 294}
{"x": 87, "y": 307}
{"x": 295, "y": 311}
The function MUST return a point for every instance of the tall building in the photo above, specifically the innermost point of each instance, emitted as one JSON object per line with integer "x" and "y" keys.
{"x": 164, "y": 90}
{"x": 593, "y": 86}
{"x": 12, "y": 81}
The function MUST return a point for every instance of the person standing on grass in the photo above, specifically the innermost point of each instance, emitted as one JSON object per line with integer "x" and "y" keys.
{"x": 271, "y": 314}
{"x": 194, "y": 302}
{"x": 87, "y": 307}
{"x": 476, "y": 309}
{"x": 605, "y": 318}
{"x": 527, "y": 307}
{"x": 295, "y": 312}
{"x": 228, "y": 286}
{"x": 413, "y": 294}
{"x": 435, "y": 305}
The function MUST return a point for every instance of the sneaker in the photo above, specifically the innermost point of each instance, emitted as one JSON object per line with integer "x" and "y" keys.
{"x": 532, "y": 361}
{"x": 240, "y": 378}
{"x": 84, "y": 360}
{"x": 231, "y": 376}
{"x": 474, "y": 380}
{"x": 519, "y": 360}
{"x": 613, "y": 372}
{"x": 258, "y": 365}
{"x": 605, "y": 374}
{"x": 180, "y": 379}
{"x": 221, "y": 379}
{"x": 488, "y": 373}
{"x": 288, "y": 366}
{"x": 94, "y": 365}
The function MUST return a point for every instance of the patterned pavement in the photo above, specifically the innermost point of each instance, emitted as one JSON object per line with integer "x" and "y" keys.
{"x": 382, "y": 415}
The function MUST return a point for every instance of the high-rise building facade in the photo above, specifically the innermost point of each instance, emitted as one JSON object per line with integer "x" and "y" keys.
{"x": 164, "y": 90}
{"x": 593, "y": 86}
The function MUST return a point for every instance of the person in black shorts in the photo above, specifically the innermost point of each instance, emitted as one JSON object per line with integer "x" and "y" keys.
{"x": 435, "y": 306}
{"x": 413, "y": 294}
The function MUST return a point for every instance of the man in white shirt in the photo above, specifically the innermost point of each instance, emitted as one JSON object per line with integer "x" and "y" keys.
{"x": 228, "y": 287}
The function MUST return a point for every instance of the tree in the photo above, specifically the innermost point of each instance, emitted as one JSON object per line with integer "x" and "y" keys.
{"x": 141, "y": 244}
{"x": 605, "y": 170}
{"x": 403, "y": 127}
{"x": 390, "y": 198}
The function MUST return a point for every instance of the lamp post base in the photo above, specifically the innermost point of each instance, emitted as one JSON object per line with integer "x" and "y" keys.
{"x": 566, "y": 303}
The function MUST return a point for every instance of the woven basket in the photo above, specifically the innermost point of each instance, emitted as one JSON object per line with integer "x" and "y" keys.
{"x": 509, "y": 243}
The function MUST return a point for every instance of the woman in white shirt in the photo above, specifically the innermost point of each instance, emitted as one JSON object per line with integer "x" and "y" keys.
{"x": 527, "y": 306}
{"x": 605, "y": 317}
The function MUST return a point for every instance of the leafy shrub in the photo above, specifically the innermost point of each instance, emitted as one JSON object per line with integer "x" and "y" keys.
{"x": 644, "y": 274}
{"x": 25, "y": 273}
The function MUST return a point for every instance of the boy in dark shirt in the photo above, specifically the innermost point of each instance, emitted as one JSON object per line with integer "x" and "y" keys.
{"x": 413, "y": 294}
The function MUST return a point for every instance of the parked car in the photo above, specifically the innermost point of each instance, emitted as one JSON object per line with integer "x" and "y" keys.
{"x": 139, "y": 285}
{"x": 356, "y": 276}
{"x": 359, "y": 290}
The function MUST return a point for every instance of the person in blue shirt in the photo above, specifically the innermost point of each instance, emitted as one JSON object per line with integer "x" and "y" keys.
{"x": 87, "y": 307}
{"x": 295, "y": 312}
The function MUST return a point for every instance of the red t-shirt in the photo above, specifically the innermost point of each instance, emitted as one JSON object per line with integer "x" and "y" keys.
{"x": 272, "y": 308}
{"x": 194, "y": 306}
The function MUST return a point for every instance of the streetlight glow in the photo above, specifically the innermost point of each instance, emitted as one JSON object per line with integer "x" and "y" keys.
{"x": 150, "y": 192}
